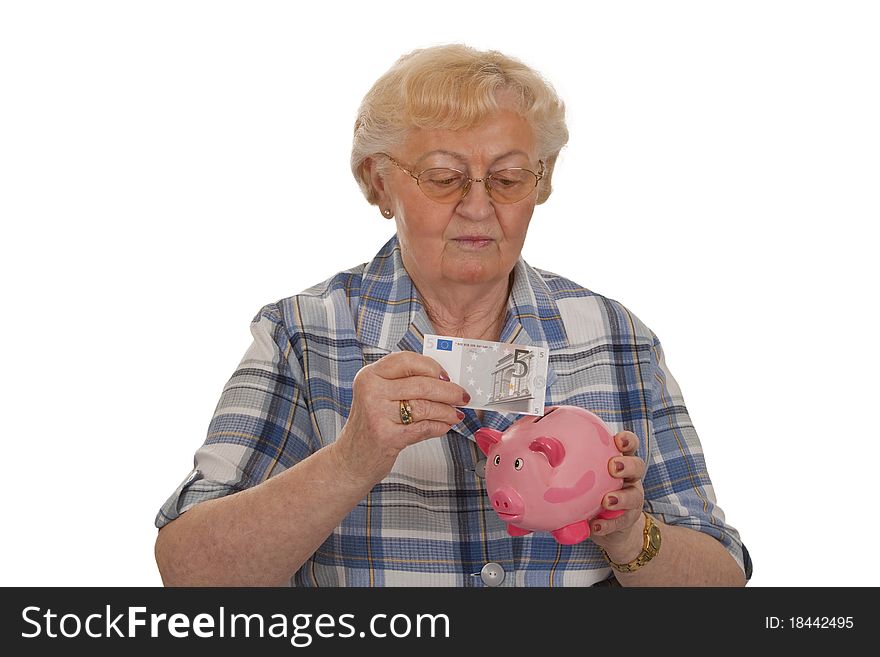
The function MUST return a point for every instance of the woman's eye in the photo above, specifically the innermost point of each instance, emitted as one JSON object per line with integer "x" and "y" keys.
{"x": 440, "y": 178}
{"x": 508, "y": 177}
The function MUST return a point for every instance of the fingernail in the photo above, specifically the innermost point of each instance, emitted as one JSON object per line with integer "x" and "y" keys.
{"x": 466, "y": 398}
{"x": 618, "y": 466}
{"x": 460, "y": 415}
{"x": 611, "y": 501}
{"x": 624, "y": 443}
{"x": 444, "y": 376}
{"x": 597, "y": 527}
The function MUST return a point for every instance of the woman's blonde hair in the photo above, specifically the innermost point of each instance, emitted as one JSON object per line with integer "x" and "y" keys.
{"x": 453, "y": 87}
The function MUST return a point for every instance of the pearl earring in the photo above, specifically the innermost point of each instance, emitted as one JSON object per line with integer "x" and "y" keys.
{"x": 387, "y": 213}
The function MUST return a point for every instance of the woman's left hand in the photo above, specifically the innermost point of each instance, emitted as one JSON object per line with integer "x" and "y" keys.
{"x": 623, "y": 534}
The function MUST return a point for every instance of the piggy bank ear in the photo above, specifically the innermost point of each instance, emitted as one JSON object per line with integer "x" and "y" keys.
{"x": 486, "y": 438}
{"x": 549, "y": 447}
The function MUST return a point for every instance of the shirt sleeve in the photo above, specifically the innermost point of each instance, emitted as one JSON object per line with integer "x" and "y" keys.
{"x": 261, "y": 425}
{"x": 677, "y": 485}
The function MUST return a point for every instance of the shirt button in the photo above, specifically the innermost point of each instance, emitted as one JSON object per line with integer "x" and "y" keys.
{"x": 480, "y": 468}
{"x": 492, "y": 574}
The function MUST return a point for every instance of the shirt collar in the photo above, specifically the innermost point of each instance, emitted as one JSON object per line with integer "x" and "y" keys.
{"x": 391, "y": 316}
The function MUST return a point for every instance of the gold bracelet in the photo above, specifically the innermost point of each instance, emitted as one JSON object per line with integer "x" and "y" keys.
{"x": 650, "y": 548}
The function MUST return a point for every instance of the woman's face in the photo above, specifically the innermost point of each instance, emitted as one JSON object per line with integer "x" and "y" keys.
{"x": 475, "y": 240}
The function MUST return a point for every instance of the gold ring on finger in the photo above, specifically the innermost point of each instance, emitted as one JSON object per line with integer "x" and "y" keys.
{"x": 406, "y": 414}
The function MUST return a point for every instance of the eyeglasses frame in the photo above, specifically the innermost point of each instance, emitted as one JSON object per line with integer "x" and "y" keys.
{"x": 466, "y": 188}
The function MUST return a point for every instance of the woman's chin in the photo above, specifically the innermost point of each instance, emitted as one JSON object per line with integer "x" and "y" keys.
{"x": 473, "y": 273}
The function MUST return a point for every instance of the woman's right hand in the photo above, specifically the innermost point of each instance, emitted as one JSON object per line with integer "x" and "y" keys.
{"x": 374, "y": 433}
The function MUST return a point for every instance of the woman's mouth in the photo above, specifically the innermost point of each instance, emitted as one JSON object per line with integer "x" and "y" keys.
{"x": 473, "y": 243}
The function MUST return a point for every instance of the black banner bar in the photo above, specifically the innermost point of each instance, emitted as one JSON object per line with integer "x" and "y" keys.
{"x": 400, "y": 621}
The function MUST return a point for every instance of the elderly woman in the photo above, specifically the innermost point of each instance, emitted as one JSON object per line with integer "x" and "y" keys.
{"x": 339, "y": 454}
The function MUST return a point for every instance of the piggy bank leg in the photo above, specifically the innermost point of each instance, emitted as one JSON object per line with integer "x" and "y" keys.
{"x": 513, "y": 530}
{"x": 608, "y": 515}
{"x": 573, "y": 533}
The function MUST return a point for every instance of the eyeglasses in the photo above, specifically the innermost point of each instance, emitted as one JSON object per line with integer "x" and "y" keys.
{"x": 451, "y": 185}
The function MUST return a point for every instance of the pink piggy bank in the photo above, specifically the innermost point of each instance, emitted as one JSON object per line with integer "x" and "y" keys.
{"x": 550, "y": 473}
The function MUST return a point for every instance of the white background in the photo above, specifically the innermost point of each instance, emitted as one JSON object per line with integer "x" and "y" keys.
{"x": 167, "y": 168}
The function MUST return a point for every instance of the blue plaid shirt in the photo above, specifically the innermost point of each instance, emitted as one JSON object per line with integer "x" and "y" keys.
{"x": 429, "y": 522}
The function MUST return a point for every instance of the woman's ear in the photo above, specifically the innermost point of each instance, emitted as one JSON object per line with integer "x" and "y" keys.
{"x": 545, "y": 186}
{"x": 377, "y": 182}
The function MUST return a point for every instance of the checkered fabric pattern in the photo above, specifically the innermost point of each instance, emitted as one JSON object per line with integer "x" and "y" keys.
{"x": 429, "y": 522}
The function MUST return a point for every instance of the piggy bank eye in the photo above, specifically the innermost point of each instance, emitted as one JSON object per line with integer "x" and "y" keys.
{"x": 518, "y": 464}
{"x": 497, "y": 459}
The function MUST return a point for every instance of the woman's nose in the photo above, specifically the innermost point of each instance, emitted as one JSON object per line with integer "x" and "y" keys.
{"x": 477, "y": 203}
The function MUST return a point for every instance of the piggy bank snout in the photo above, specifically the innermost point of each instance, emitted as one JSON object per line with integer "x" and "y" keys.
{"x": 507, "y": 502}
